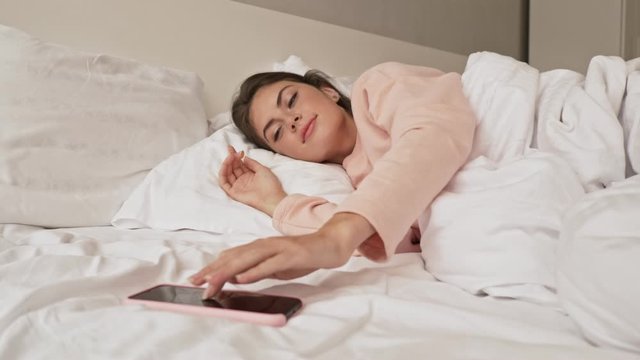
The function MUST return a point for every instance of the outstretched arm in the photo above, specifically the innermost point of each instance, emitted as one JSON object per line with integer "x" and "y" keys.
{"x": 287, "y": 257}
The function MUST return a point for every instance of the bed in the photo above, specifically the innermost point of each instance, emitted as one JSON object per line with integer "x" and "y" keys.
{"x": 107, "y": 179}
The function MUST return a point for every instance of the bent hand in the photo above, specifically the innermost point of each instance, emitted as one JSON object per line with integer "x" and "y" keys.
{"x": 286, "y": 257}
{"x": 249, "y": 182}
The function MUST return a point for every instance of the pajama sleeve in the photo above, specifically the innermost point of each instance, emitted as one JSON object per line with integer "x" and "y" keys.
{"x": 430, "y": 125}
{"x": 299, "y": 214}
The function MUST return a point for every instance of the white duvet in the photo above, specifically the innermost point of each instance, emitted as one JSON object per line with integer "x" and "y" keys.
{"x": 527, "y": 221}
{"x": 599, "y": 265}
{"x": 62, "y": 294}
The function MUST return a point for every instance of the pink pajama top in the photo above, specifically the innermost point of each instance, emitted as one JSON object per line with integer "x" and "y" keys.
{"x": 415, "y": 130}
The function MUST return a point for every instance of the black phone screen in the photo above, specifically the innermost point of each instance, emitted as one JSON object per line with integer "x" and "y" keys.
{"x": 233, "y": 300}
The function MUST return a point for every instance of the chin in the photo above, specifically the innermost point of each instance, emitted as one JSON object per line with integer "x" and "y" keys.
{"x": 319, "y": 158}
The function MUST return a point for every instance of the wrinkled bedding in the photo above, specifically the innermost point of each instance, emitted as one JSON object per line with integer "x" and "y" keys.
{"x": 63, "y": 289}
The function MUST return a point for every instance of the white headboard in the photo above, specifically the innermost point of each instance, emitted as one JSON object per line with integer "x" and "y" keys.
{"x": 221, "y": 40}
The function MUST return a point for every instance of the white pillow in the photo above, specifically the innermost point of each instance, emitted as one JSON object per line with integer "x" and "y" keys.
{"x": 578, "y": 120}
{"x": 183, "y": 192}
{"x": 502, "y": 93}
{"x": 79, "y": 131}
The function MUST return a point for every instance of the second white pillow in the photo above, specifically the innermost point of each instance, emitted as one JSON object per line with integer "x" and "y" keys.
{"x": 183, "y": 192}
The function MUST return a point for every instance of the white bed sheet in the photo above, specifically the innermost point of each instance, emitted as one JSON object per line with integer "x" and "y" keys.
{"x": 62, "y": 292}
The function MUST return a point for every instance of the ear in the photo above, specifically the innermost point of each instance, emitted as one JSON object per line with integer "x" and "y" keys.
{"x": 331, "y": 93}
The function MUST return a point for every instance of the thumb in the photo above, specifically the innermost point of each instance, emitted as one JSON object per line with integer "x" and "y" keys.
{"x": 253, "y": 165}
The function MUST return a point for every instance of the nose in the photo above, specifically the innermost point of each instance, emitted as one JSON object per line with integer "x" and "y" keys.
{"x": 294, "y": 121}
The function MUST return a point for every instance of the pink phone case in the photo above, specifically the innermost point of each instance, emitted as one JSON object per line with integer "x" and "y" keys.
{"x": 245, "y": 316}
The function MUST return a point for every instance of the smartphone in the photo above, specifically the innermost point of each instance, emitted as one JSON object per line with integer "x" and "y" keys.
{"x": 245, "y": 306}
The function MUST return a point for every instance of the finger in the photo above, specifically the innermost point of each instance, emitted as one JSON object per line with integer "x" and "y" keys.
{"x": 201, "y": 276}
{"x": 216, "y": 280}
{"x": 195, "y": 281}
{"x": 241, "y": 164}
{"x": 232, "y": 160}
{"x": 232, "y": 262}
{"x": 226, "y": 187}
{"x": 237, "y": 167}
{"x": 231, "y": 179}
{"x": 233, "y": 152}
{"x": 237, "y": 172}
{"x": 234, "y": 155}
{"x": 223, "y": 179}
{"x": 266, "y": 268}
{"x": 225, "y": 167}
{"x": 226, "y": 170}
{"x": 245, "y": 168}
{"x": 206, "y": 272}
{"x": 215, "y": 284}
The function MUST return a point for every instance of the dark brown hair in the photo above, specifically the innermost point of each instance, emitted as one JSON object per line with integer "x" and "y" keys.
{"x": 242, "y": 100}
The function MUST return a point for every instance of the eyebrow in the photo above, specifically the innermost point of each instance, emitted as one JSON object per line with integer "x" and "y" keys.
{"x": 270, "y": 122}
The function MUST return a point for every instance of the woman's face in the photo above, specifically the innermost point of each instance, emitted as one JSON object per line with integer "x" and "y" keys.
{"x": 303, "y": 122}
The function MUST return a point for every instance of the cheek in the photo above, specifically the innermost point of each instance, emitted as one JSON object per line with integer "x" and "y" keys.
{"x": 287, "y": 146}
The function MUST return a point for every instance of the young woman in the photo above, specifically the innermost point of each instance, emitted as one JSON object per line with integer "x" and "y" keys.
{"x": 401, "y": 138}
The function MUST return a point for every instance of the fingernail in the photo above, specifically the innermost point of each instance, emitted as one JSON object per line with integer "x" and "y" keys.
{"x": 207, "y": 293}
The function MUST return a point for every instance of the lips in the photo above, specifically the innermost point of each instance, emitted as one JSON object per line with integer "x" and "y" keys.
{"x": 308, "y": 128}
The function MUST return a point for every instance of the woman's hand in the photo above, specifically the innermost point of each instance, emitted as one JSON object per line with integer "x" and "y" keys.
{"x": 249, "y": 182}
{"x": 287, "y": 257}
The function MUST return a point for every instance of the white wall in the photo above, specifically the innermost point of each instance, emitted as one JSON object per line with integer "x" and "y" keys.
{"x": 223, "y": 41}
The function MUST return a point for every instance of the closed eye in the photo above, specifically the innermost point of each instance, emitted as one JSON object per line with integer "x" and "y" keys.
{"x": 293, "y": 99}
{"x": 276, "y": 135}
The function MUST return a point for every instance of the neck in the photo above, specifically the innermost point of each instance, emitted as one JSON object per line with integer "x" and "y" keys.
{"x": 346, "y": 148}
